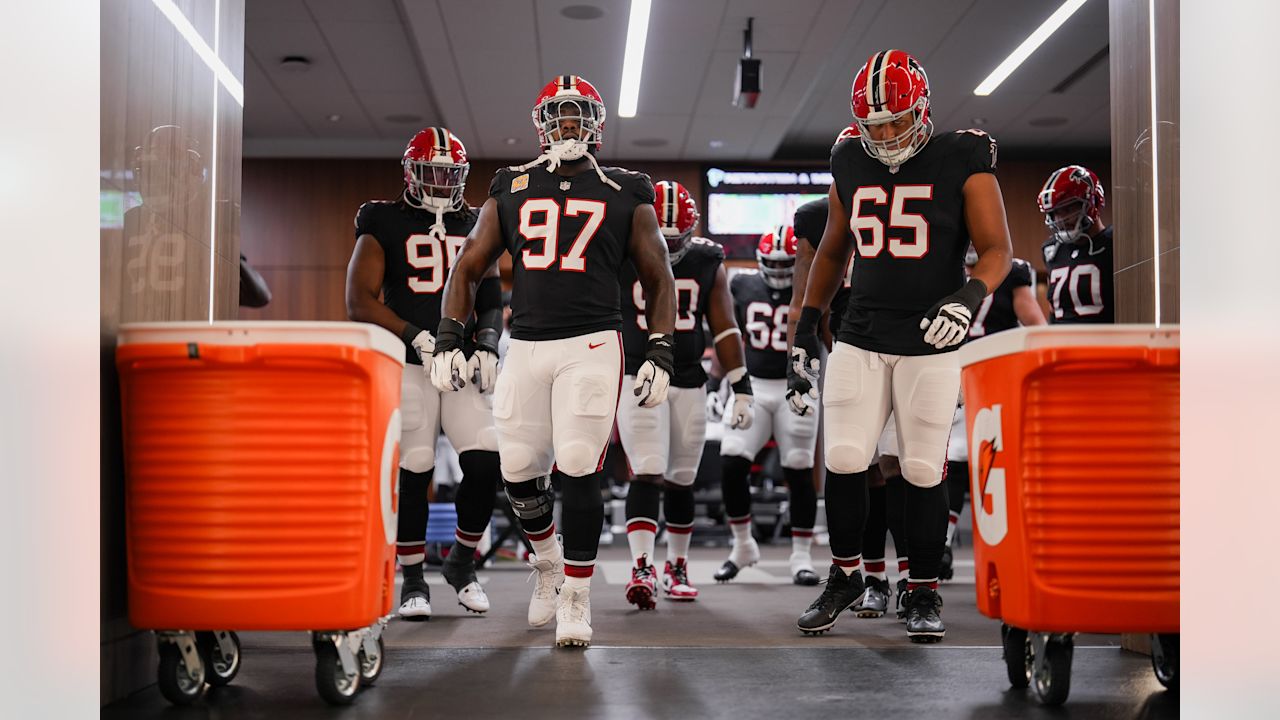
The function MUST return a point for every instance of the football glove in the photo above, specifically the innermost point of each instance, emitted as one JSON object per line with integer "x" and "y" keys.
{"x": 743, "y": 412}
{"x": 947, "y": 322}
{"x": 806, "y": 363}
{"x": 654, "y": 376}
{"x": 449, "y": 364}
{"x": 483, "y": 366}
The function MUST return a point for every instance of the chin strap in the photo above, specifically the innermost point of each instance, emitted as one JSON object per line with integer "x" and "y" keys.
{"x": 554, "y": 158}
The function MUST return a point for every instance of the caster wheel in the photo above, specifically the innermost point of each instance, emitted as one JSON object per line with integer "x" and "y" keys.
{"x": 371, "y": 668}
{"x": 1051, "y": 669}
{"x": 1164, "y": 659}
{"x": 176, "y": 683}
{"x": 334, "y": 685}
{"x": 1017, "y": 656}
{"x": 221, "y": 664}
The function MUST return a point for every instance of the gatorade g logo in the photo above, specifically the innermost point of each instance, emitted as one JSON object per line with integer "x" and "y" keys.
{"x": 987, "y": 482}
{"x": 387, "y": 482}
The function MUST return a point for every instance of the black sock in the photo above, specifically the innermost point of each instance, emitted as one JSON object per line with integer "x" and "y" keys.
{"x": 957, "y": 483}
{"x": 677, "y": 504}
{"x": 895, "y": 499}
{"x": 581, "y": 516}
{"x": 804, "y": 497}
{"x": 481, "y": 473}
{"x": 926, "y": 529}
{"x": 846, "y": 512}
{"x": 735, "y": 486}
{"x": 873, "y": 534}
{"x": 411, "y": 523}
{"x": 643, "y": 500}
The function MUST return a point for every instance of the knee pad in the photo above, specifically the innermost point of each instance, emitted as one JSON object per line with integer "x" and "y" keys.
{"x": 531, "y": 499}
{"x": 732, "y": 445}
{"x": 798, "y": 459}
{"x": 488, "y": 439}
{"x": 419, "y": 459}
{"x": 517, "y": 461}
{"x": 845, "y": 457}
{"x": 682, "y": 478}
{"x": 576, "y": 458}
{"x": 921, "y": 473}
{"x": 647, "y": 465}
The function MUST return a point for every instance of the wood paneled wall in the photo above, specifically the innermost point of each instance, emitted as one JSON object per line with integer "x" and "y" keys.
{"x": 298, "y": 218}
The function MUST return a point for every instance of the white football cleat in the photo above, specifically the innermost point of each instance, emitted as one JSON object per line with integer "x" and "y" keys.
{"x": 542, "y": 606}
{"x": 573, "y": 618}
{"x": 415, "y": 600}
{"x": 472, "y": 598}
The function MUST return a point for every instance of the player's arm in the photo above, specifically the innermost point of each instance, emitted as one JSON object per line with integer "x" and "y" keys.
{"x": 728, "y": 345}
{"x": 364, "y": 287}
{"x": 804, "y": 259}
{"x": 484, "y": 361}
{"x": 649, "y": 256}
{"x": 830, "y": 260}
{"x": 476, "y": 259}
{"x": 988, "y": 228}
{"x": 1027, "y": 307}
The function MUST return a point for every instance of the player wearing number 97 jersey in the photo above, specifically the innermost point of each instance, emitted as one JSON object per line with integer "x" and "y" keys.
{"x": 913, "y": 201}
{"x": 664, "y": 444}
{"x": 569, "y": 226}
{"x": 761, "y": 301}
{"x": 404, "y": 251}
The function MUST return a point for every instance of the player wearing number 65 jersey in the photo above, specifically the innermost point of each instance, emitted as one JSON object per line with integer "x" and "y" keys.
{"x": 664, "y": 443}
{"x": 569, "y": 227}
{"x": 404, "y": 251}
{"x": 761, "y": 301}
{"x": 1078, "y": 253}
{"x": 913, "y": 201}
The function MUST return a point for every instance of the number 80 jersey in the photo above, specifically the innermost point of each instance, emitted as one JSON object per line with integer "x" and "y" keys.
{"x": 762, "y": 315}
{"x": 695, "y": 275}
{"x": 568, "y": 239}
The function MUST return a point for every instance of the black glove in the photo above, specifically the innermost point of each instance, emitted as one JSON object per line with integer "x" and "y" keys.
{"x": 947, "y": 322}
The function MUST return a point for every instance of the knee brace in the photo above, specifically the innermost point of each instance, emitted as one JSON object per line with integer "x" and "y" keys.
{"x": 533, "y": 501}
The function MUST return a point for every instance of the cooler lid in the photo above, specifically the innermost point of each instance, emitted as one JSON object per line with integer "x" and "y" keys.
{"x": 1013, "y": 341}
{"x": 362, "y": 335}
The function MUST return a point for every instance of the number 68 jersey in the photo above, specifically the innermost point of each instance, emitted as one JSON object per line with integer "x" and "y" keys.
{"x": 762, "y": 315}
{"x": 695, "y": 275}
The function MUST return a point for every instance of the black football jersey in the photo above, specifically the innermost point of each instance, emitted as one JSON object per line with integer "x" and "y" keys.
{"x": 568, "y": 240}
{"x": 996, "y": 312}
{"x": 810, "y": 222}
{"x": 1081, "y": 287}
{"x": 417, "y": 263}
{"x": 762, "y": 315}
{"x": 909, "y": 235}
{"x": 695, "y": 276}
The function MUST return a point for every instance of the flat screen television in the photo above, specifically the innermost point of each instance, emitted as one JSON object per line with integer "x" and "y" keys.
{"x": 743, "y": 203}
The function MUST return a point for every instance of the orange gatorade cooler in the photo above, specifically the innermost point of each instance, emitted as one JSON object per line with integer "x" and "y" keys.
{"x": 1073, "y": 453}
{"x": 261, "y": 462}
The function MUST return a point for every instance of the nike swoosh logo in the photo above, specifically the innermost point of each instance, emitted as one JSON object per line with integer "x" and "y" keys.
{"x": 593, "y": 346}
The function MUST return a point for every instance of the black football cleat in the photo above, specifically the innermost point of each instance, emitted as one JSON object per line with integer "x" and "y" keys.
{"x": 875, "y": 601}
{"x": 945, "y": 571}
{"x": 901, "y": 602}
{"x": 924, "y": 616}
{"x": 841, "y": 592}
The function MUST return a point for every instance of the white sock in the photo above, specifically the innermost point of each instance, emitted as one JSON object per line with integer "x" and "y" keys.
{"x": 741, "y": 529}
{"x": 640, "y": 536}
{"x": 572, "y": 581}
{"x": 678, "y": 539}
{"x": 548, "y": 547}
{"x": 801, "y": 541}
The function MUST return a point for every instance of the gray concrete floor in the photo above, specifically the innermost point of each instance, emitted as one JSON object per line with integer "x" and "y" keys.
{"x": 735, "y": 652}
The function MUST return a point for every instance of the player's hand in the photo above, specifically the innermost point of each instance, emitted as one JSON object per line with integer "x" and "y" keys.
{"x": 449, "y": 364}
{"x": 742, "y": 414}
{"x": 806, "y": 357}
{"x": 947, "y": 322}
{"x": 715, "y": 407}
{"x": 654, "y": 376}
{"x": 799, "y": 387}
{"x": 483, "y": 369}
{"x": 425, "y": 344}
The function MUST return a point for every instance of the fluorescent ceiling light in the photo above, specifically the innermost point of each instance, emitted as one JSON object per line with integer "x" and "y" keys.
{"x": 206, "y": 53}
{"x": 1028, "y": 46}
{"x": 633, "y": 59}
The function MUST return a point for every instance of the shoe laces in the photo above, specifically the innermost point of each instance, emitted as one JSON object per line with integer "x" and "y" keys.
{"x": 544, "y": 570}
{"x": 830, "y": 590}
{"x": 679, "y": 573}
{"x": 642, "y": 571}
{"x": 578, "y": 606}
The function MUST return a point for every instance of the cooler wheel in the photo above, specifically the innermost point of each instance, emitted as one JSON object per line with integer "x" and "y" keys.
{"x": 1164, "y": 659}
{"x": 1017, "y": 655}
{"x": 181, "y": 674}
{"x": 1051, "y": 666}
{"x": 220, "y": 651}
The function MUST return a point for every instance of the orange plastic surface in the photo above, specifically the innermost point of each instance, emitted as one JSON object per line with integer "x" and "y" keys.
{"x": 255, "y": 478}
{"x": 1088, "y": 445}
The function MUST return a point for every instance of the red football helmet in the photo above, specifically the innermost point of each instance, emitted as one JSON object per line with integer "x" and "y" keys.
{"x": 677, "y": 216}
{"x": 890, "y": 85}
{"x": 569, "y": 97}
{"x": 435, "y": 170}
{"x": 776, "y": 256}
{"x": 1071, "y": 199}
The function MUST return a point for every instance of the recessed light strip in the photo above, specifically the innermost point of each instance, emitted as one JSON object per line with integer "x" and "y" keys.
{"x": 1155, "y": 157}
{"x": 197, "y": 43}
{"x": 213, "y": 178}
{"x": 1028, "y": 46}
{"x": 633, "y": 58}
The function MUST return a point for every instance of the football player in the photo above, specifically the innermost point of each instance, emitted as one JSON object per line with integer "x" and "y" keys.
{"x": 913, "y": 201}
{"x": 664, "y": 443}
{"x": 761, "y": 302}
{"x": 569, "y": 226}
{"x": 1078, "y": 251}
{"x": 405, "y": 250}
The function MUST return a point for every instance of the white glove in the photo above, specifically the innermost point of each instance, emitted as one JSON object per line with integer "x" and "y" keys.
{"x": 425, "y": 344}
{"x": 715, "y": 407}
{"x": 483, "y": 369}
{"x": 651, "y": 385}
{"x": 449, "y": 370}
{"x": 743, "y": 412}
{"x": 949, "y": 327}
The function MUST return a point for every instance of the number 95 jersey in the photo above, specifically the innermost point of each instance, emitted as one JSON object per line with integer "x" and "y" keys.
{"x": 762, "y": 315}
{"x": 695, "y": 276}
{"x": 568, "y": 238}
{"x": 910, "y": 236}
